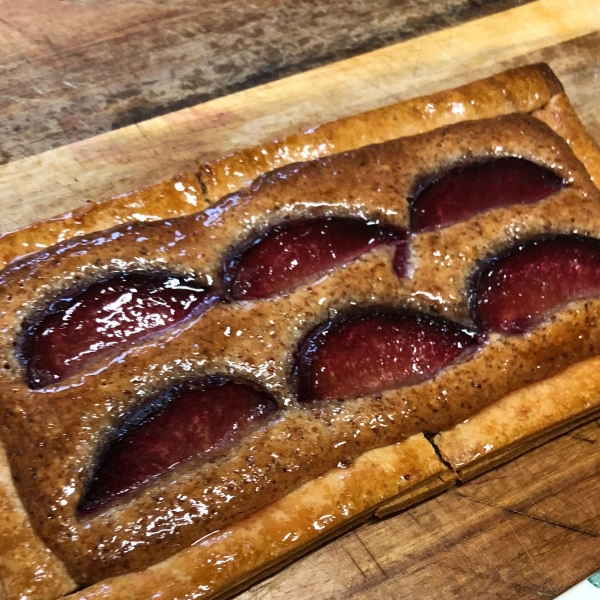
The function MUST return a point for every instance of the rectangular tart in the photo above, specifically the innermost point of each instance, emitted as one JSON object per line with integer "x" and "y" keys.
{"x": 370, "y": 166}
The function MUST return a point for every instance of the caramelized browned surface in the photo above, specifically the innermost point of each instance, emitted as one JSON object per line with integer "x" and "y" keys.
{"x": 256, "y": 341}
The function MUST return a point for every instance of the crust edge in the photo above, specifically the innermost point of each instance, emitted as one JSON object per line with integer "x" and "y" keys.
{"x": 523, "y": 89}
{"x": 305, "y": 518}
{"x": 171, "y": 198}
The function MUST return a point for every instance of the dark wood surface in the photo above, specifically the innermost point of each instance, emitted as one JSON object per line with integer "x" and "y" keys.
{"x": 72, "y": 69}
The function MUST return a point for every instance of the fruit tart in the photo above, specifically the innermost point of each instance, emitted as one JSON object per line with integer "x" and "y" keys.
{"x": 296, "y": 337}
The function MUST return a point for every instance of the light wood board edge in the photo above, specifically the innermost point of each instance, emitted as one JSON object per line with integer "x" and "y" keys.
{"x": 39, "y": 187}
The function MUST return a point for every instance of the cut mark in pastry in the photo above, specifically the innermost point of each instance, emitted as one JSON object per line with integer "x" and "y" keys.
{"x": 191, "y": 420}
{"x": 380, "y": 350}
{"x": 293, "y": 253}
{"x": 514, "y": 292}
{"x": 103, "y": 319}
{"x": 469, "y": 190}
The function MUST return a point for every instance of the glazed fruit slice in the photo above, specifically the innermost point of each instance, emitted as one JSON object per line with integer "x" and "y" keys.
{"x": 291, "y": 254}
{"x": 190, "y": 421}
{"x": 374, "y": 352}
{"x": 466, "y": 191}
{"x": 518, "y": 290}
{"x": 104, "y": 318}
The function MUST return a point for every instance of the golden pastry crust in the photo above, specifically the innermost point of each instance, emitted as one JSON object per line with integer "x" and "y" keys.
{"x": 522, "y": 420}
{"x": 166, "y": 200}
{"x": 525, "y": 90}
{"x": 560, "y": 116}
{"x": 521, "y": 90}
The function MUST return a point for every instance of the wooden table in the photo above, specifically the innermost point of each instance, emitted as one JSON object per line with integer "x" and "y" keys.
{"x": 529, "y": 529}
{"x": 71, "y": 69}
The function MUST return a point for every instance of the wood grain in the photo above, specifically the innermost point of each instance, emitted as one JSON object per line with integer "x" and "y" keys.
{"x": 529, "y": 529}
{"x": 73, "y": 69}
{"x": 139, "y": 155}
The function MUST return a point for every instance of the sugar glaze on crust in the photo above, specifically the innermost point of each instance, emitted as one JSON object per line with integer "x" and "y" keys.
{"x": 523, "y": 90}
{"x": 166, "y": 200}
{"x": 225, "y": 562}
{"x": 522, "y": 420}
{"x": 196, "y": 499}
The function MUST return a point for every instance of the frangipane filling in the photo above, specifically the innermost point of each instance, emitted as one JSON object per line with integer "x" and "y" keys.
{"x": 347, "y": 357}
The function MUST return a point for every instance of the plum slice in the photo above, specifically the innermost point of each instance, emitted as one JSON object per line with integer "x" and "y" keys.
{"x": 191, "y": 420}
{"x": 103, "y": 318}
{"x": 377, "y": 351}
{"x": 518, "y": 290}
{"x": 291, "y": 253}
{"x": 466, "y": 191}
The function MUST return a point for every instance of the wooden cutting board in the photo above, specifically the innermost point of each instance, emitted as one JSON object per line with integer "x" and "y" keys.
{"x": 529, "y": 529}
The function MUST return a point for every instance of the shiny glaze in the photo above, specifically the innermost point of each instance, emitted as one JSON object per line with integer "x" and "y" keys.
{"x": 471, "y": 189}
{"x": 192, "y": 420}
{"x": 294, "y": 253}
{"x": 522, "y": 90}
{"x": 104, "y": 318}
{"x": 518, "y": 290}
{"x": 256, "y": 341}
{"x": 167, "y": 199}
{"x": 377, "y": 351}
